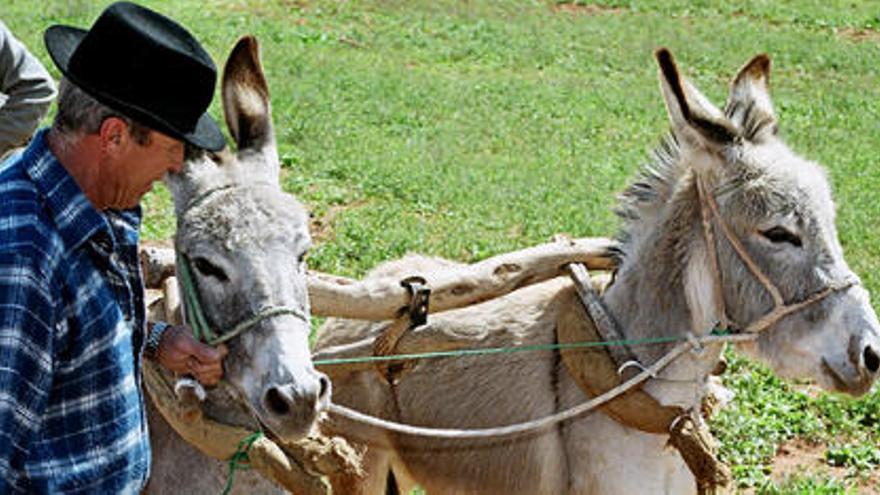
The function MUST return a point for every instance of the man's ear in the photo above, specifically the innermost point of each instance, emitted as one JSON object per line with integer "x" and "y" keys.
{"x": 113, "y": 135}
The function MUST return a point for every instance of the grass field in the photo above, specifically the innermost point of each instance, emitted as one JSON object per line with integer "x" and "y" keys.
{"x": 467, "y": 129}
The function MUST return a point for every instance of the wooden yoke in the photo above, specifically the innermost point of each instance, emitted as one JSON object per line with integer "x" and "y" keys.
{"x": 456, "y": 287}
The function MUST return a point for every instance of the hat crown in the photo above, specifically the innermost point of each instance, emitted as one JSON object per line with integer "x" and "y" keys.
{"x": 142, "y": 64}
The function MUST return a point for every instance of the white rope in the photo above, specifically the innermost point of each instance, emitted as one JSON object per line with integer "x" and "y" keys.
{"x": 537, "y": 424}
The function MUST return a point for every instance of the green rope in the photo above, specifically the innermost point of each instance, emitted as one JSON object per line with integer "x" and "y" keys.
{"x": 196, "y": 317}
{"x": 239, "y": 459}
{"x": 507, "y": 350}
{"x": 193, "y": 309}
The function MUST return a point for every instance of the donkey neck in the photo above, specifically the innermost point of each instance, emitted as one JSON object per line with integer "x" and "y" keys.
{"x": 664, "y": 289}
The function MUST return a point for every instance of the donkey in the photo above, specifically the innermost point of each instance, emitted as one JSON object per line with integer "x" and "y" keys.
{"x": 246, "y": 241}
{"x": 774, "y": 243}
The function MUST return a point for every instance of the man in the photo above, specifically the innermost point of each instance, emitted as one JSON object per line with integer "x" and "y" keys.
{"x": 135, "y": 90}
{"x": 26, "y": 90}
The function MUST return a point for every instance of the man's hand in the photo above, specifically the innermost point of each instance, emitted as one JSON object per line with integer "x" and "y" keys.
{"x": 181, "y": 353}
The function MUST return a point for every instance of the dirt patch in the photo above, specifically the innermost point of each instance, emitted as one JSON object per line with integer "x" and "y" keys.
{"x": 585, "y": 9}
{"x": 800, "y": 458}
{"x": 321, "y": 227}
{"x": 859, "y": 35}
{"x": 164, "y": 243}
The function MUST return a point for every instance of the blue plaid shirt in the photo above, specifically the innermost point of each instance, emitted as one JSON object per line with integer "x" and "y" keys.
{"x": 72, "y": 415}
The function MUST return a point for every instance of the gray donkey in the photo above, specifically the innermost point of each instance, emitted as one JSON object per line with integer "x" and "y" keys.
{"x": 246, "y": 241}
{"x": 726, "y": 224}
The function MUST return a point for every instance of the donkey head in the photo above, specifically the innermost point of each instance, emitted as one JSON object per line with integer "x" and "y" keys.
{"x": 245, "y": 241}
{"x": 778, "y": 208}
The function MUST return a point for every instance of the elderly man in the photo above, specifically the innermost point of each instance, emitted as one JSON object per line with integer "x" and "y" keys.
{"x": 26, "y": 90}
{"x": 72, "y": 332}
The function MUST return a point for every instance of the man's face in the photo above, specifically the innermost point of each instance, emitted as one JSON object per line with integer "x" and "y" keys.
{"x": 128, "y": 173}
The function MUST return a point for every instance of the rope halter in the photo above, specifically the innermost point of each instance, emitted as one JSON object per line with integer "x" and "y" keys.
{"x": 708, "y": 212}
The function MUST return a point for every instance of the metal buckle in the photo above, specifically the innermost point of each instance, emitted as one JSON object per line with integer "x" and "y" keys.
{"x": 420, "y": 295}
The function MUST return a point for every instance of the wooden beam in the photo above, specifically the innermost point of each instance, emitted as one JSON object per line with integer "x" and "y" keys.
{"x": 451, "y": 287}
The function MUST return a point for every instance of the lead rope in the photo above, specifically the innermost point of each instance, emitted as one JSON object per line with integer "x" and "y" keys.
{"x": 538, "y": 424}
{"x": 239, "y": 459}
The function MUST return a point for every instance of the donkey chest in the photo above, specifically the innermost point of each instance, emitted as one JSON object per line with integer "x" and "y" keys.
{"x": 604, "y": 457}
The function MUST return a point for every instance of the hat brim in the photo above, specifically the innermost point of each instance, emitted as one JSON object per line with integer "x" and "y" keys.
{"x": 61, "y": 43}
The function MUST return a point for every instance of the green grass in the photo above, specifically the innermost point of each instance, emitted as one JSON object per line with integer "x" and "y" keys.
{"x": 769, "y": 412}
{"x": 467, "y": 129}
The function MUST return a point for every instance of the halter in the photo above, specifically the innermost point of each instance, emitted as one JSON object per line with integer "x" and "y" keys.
{"x": 708, "y": 211}
{"x": 192, "y": 307}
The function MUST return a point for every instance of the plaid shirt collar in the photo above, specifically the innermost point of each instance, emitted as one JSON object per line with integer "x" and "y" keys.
{"x": 74, "y": 215}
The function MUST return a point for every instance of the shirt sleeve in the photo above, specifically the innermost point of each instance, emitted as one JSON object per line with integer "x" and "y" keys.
{"x": 27, "y": 88}
{"x": 27, "y": 316}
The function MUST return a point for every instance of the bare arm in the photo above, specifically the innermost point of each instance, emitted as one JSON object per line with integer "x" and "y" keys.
{"x": 26, "y": 91}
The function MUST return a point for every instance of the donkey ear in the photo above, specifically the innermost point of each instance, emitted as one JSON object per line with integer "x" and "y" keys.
{"x": 246, "y": 97}
{"x": 749, "y": 106}
{"x": 695, "y": 120}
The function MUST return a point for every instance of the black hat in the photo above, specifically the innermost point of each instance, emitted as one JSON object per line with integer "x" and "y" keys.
{"x": 144, "y": 65}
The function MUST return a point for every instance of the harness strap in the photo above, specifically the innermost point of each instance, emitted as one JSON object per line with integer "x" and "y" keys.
{"x": 712, "y": 254}
{"x": 595, "y": 372}
{"x": 265, "y": 313}
{"x": 413, "y": 316}
{"x": 780, "y": 308}
{"x": 605, "y": 325}
{"x": 784, "y": 310}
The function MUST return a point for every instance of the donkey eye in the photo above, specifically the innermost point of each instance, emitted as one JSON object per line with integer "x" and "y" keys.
{"x": 779, "y": 235}
{"x": 209, "y": 269}
{"x": 302, "y": 258}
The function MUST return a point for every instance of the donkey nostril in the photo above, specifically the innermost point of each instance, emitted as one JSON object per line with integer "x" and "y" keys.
{"x": 275, "y": 402}
{"x": 872, "y": 360}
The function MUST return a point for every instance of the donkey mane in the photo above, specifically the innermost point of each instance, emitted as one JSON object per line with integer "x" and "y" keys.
{"x": 662, "y": 183}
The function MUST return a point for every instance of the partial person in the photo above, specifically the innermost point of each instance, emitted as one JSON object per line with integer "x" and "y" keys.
{"x": 134, "y": 95}
{"x": 26, "y": 91}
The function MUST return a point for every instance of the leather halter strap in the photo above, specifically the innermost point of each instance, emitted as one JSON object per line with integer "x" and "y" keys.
{"x": 708, "y": 212}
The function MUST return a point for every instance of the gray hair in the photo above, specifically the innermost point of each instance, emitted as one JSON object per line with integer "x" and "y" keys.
{"x": 78, "y": 113}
